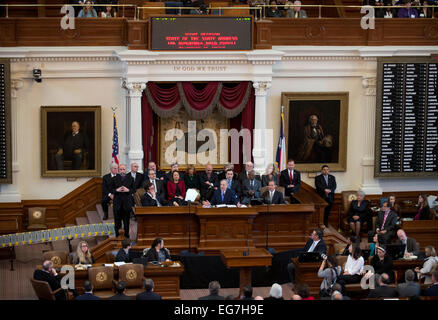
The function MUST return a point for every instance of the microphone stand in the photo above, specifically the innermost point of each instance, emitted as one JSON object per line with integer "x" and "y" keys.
{"x": 189, "y": 201}
{"x": 267, "y": 224}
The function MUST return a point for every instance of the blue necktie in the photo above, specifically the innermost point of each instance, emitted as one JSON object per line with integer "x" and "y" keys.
{"x": 222, "y": 197}
{"x": 326, "y": 179}
{"x": 229, "y": 184}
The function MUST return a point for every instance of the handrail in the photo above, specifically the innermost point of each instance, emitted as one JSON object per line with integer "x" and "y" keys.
{"x": 195, "y": 8}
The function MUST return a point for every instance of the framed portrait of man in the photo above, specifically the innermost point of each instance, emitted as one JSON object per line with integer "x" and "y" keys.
{"x": 71, "y": 141}
{"x": 316, "y": 126}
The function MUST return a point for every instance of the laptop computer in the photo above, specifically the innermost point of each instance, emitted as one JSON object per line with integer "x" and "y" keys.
{"x": 310, "y": 257}
{"x": 395, "y": 251}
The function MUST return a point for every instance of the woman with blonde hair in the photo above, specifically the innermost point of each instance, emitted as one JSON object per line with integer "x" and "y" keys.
{"x": 271, "y": 174}
{"x": 83, "y": 254}
{"x": 430, "y": 263}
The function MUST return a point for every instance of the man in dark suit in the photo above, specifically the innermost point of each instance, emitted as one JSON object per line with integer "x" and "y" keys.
{"x": 251, "y": 188}
{"x": 223, "y": 196}
{"x": 168, "y": 176}
{"x": 121, "y": 292}
{"x": 159, "y": 174}
{"x": 290, "y": 180}
{"x": 158, "y": 184}
{"x": 243, "y": 175}
{"x": 409, "y": 288}
{"x": 209, "y": 182}
{"x": 272, "y": 196}
{"x": 222, "y": 174}
{"x": 123, "y": 254}
{"x": 411, "y": 244}
{"x": 107, "y": 188}
{"x": 72, "y": 147}
{"x": 325, "y": 185}
{"x": 148, "y": 294}
{"x": 151, "y": 198}
{"x": 88, "y": 295}
{"x": 233, "y": 184}
{"x": 137, "y": 179}
{"x": 49, "y": 275}
{"x": 385, "y": 223}
{"x": 123, "y": 188}
{"x": 382, "y": 290}
{"x": 214, "y": 288}
{"x": 432, "y": 291}
{"x": 314, "y": 244}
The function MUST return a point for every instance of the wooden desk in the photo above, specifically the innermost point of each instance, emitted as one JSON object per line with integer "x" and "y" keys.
{"x": 234, "y": 258}
{"x": 424, "y": 231}
{"x": 166, "y": 279}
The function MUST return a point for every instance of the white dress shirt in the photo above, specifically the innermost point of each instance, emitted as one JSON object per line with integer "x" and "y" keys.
{"x": 313, "y": 246}
{"x": 354, "y": 266}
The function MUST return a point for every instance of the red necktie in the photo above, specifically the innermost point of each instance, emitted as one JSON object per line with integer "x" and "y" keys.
{"x": 290, "y": 176}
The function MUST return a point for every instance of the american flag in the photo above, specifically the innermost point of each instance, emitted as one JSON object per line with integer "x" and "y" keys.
{"x": 115, "y": 141}
{"x": 281, "y": 149}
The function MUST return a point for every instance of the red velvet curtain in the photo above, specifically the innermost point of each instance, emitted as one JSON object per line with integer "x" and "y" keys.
{"x": 235, "y": 101}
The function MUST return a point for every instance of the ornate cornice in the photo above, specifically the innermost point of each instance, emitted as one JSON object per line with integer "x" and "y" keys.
{"x": 321, "y": 58}
{"x": 135, "y": 89}
{"x": 64, "y": 59}
{"x": 190, "y": 62}
{"x": 261, "y": 87}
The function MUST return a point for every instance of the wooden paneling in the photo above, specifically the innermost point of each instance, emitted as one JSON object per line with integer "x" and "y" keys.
{"x": 11, "y": 218}
{"x": 137, "y": 34}
{"x": 424, "y": 231}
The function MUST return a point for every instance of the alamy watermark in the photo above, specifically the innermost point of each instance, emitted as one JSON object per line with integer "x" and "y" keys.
{"x": 68, "y": 21}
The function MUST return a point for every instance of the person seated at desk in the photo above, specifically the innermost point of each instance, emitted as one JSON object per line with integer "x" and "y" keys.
{"x": 233, "y": 183}
{"x": 386, "y": 222}
{"x": 382, "y": 263}
{"x": 358, "y": 213}
{"x": 411, "y": 248}
{"x": 423, "y": 208}
{"x": 158, "y": 184}
{"x": 382, "y": 290}
{"x": 88, "y": 289}
{"x": 148, "y": 294}
{"x": 191, "y": 179}
{"x": 169, "y": 176}
{"x": 353, "y": 267}
{"x": 314, "y": 244}
{"x": 123, "y": 254}
{"x": 430, "y": 263}
{"x": 151, "y": 198}
{"x": 83, "y": 254}
{"x": 271, "y": 174}
{"x": 157, "y": 251}
{"x": 121, "y": 292}
{"x": 244, "y": 174}
{"x": 409, "y": 288}
{"x": 208, "y": 182}
{"x": 223, "y": 196}
{"x": 176, "y": 190}
{"x": 49, "y": 275}
{"x": 251, "y": 188}
{"x": 272, "y": 196}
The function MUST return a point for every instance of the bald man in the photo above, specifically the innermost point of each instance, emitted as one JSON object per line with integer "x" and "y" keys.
{"x": 411, "y": 247}
{"x": 49, "y": 275}
{"x": 72, "y": 147}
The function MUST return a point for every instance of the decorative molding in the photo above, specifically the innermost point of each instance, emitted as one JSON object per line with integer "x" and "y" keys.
{"x": 261, "y": 87}
{"x": 135, "y": 89}
{"x": 64, "y": 59}
{"x": 16, "y": 84}
{"x": 370, "y": 86}
{"x": 322, "y": 58}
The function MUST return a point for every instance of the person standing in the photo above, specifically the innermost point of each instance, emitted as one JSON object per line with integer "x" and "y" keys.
{"x": 123, "y": 188}
{"x": 107, "y": 184}
{"x": 325, "y": 185}
{"x": 290, "y": 180}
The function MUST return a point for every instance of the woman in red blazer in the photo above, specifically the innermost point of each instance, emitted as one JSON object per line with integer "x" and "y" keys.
{"x": 176, "y": 190}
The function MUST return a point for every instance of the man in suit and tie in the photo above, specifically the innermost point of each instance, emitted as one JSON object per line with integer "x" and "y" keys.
{"x": 148, "y": 294}
{"x": 123, "y": 188}
{"x": 385, "y": 223}
{"x": 272, "y": 196}
{"x": 107, "y": 186}
{"x": 243, "y": 175}
{"x": 297, "y": 12}
{"x": 290, "y": 180}
{"x": 223, "y": 196}
{"x": 233, "y": 184}
{"x": 209, "y": 182}
{"x": 88, "y": 295}
{"x": 151, "y": 198}
{"x": 251, "y": 188}
{"x": 411, "y": 248}
{"x": 158, "y": 185}
{"x": 325, "y": 185}
{"x": 153, "y": 166}
{"x": 314, "y": 244}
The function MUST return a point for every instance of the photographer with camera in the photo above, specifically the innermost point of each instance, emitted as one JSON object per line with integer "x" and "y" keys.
{"x": 330, "y": 271}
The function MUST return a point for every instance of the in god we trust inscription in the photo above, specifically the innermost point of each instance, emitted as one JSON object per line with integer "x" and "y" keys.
{"x": 199, "y": 69}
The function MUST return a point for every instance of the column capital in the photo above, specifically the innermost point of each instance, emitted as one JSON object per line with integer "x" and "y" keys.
{"x": 369, "y": 84}
{"x": 261, "y": 87}
{"x": 16, "y": 84}
{"x": 135, "y": 88}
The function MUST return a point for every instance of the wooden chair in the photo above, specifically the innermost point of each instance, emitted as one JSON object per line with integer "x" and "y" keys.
{"x": 132, "y": 275}
{"x": 37, "y": 218}
{"x": 110, "y": 256}
{"x": 43, "y": 291}
{"x": 57, "y": 257}
{"x": 102, "y": 279}
{"x": 137, "y": 196}
{"x": 347, "y": 197}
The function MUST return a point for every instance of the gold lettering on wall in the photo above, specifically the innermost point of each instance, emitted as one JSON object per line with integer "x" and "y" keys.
{"x": 199, "y": 68}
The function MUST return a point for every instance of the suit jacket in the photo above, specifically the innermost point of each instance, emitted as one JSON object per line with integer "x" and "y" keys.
{"x": 160, "y": 189}
{"x": 432, "y": 291}
{"x": 276, "y": 199}
{"x": 301, "y": 14}
{"x": 236, "y": 187}
{"x": 53, "y": 281}
{"x": 285, "y": 181}
{"x": 203, "y": 178}
{"x": 222, "y": 175}
{"x": 411, "y": 244}
{"x": 152, "y": 254}
{"x": 123, "y": 200}
{"x": 87, "y": 296}
{"x": 383, "y": 267}
{"x": 242, "y": 176}
{"x": 408, "y": 289}
{"x": 321, "y": 185}
{"x": 120, "y": 296}
{"x": 265, "y": 180}
{"x": 383, "y": 292}
{"x": 247, "y": 187}
{"x": 212, "y": 297}
{"x": 138, "y": 182}
{"x": 320, "y": 247}
{"x": 171, "y": 189}
{"x": 122, "y": 256}
{"x": 107, "y": 186}
{"x": 148, "y": 295}
{"x": 168, "y": 176}
{"x": 361, "y": 211}
{"x": 229, "y": 197}
{"x": 390, "y": 222}
{"x": 147, "y": 201}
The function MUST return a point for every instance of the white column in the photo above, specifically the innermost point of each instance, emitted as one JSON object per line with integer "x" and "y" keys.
{"x": 10, "y": 192}
{"x": 369, "y": 184}
{"x": 262, "y": 139}
{"x": 134, "y": 94}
